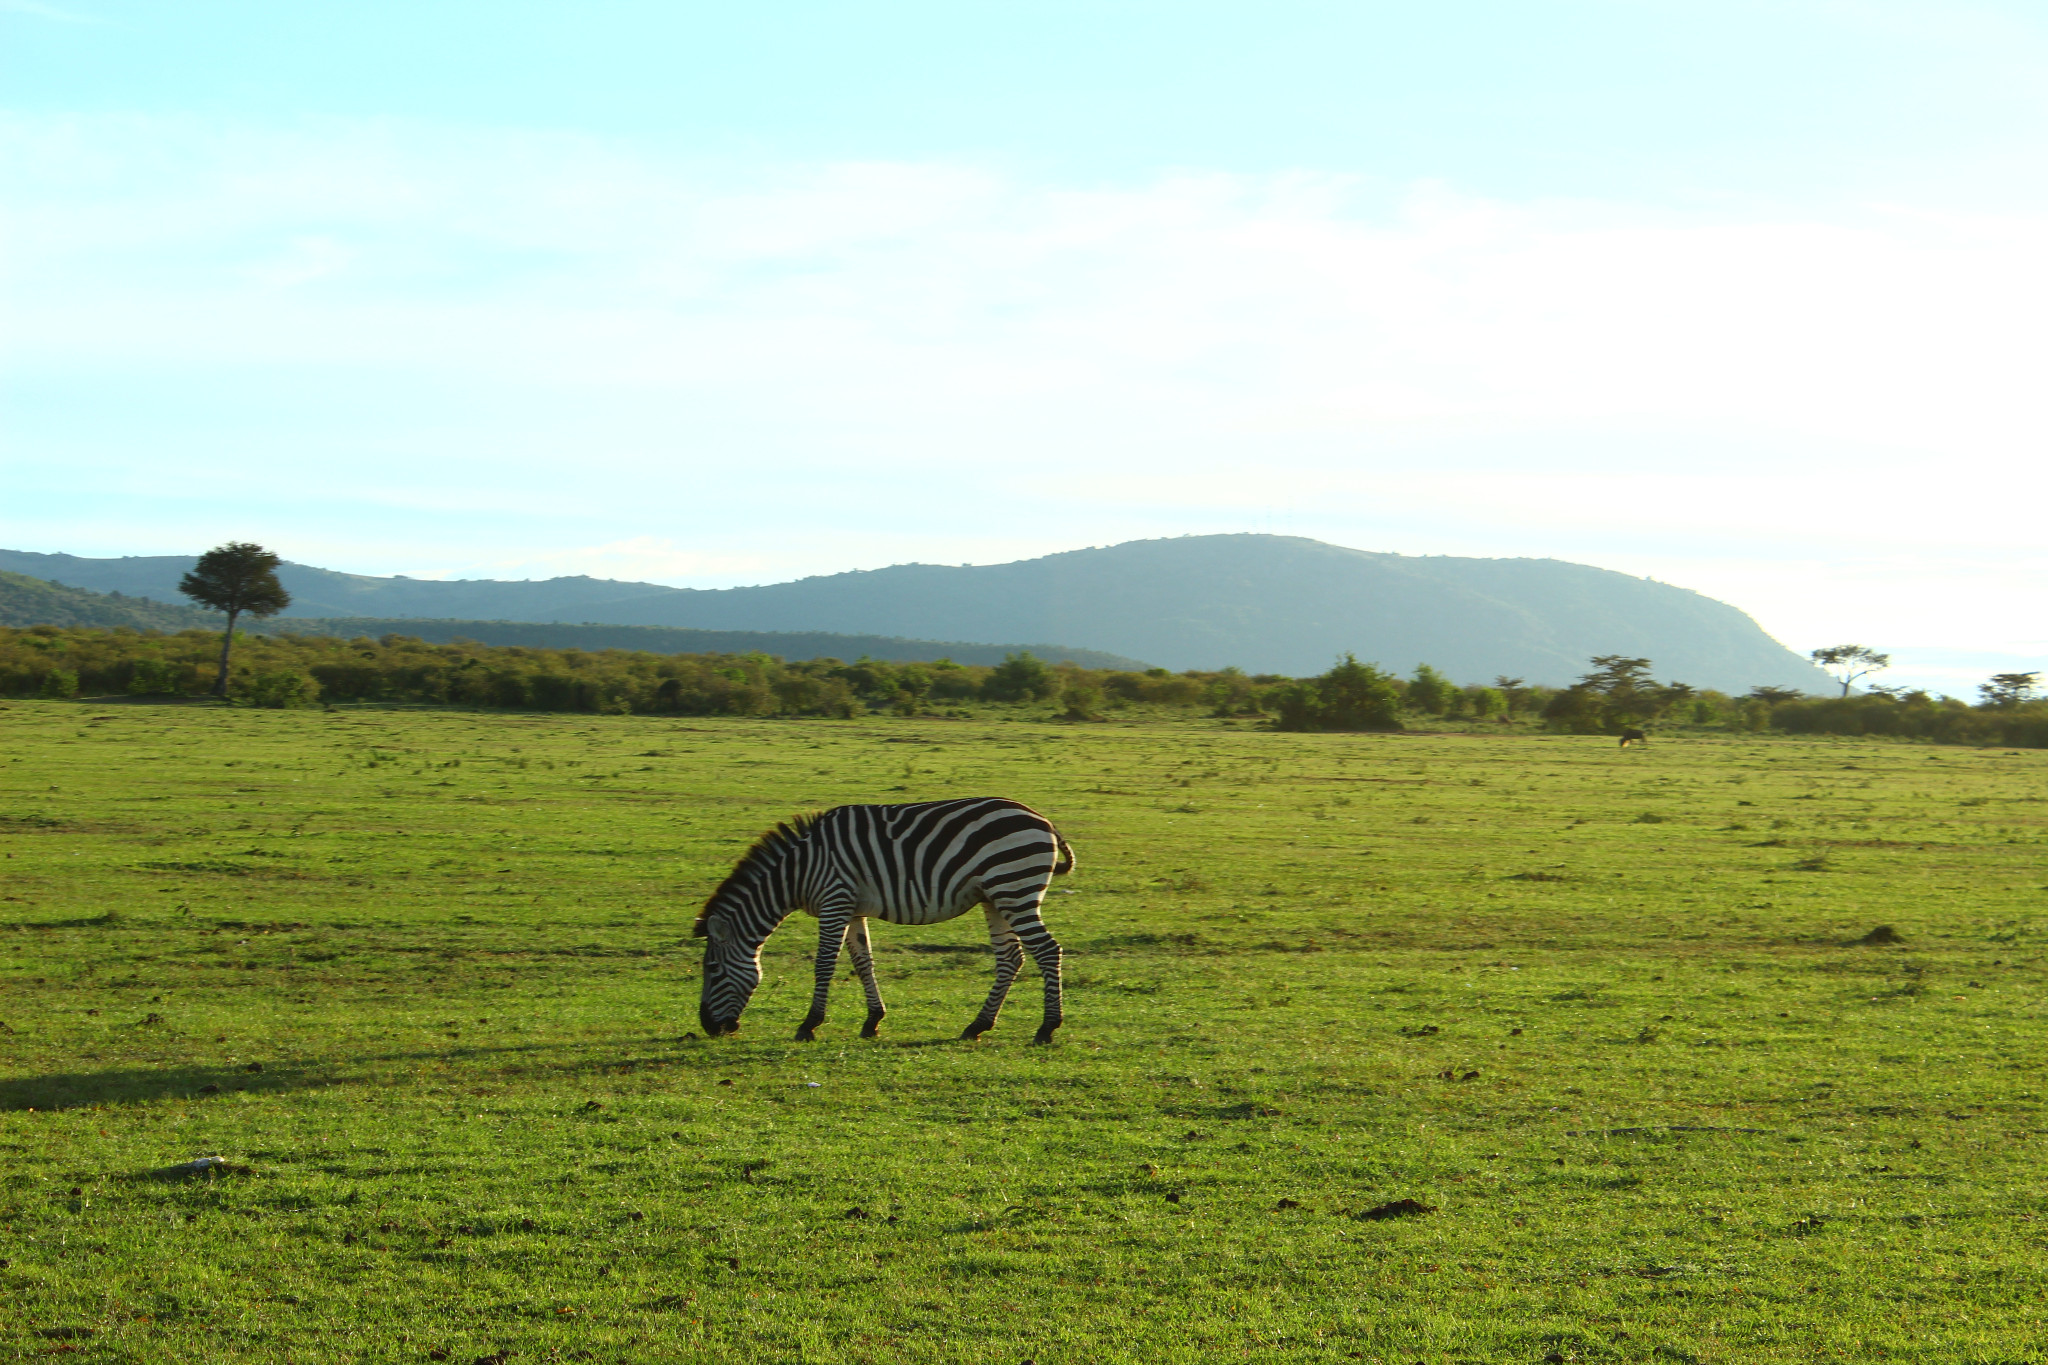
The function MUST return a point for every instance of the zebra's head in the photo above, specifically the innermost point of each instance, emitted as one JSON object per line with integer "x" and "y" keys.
{"x": 742, "y": 912}
{"x": 732, "y": 969}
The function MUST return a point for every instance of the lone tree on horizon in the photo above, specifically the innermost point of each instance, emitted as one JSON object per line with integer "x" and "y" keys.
{"x": 1850, "y": 662}
{"x": 236, "y": 577}
{"x": 2010, "y": 689}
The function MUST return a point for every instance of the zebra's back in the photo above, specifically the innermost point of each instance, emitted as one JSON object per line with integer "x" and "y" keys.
{"x": 926, "y": 861}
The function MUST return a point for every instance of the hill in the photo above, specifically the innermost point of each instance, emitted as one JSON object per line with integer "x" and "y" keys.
{"x": 26, "y": 601}
{"x": 1277, "y": 604}
{"x": 329, "y": 593}
{"x": 794, "y": 645}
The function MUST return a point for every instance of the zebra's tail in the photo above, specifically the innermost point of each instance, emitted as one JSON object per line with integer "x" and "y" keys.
{"x": 1065, "y": 864}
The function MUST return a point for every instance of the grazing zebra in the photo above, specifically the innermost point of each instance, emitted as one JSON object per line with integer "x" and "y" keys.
{"x": 910, "y": 864}
{"x": 1629, "y": 737}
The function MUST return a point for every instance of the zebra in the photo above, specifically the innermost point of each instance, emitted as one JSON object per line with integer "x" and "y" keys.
{"x": 915, "y": 863}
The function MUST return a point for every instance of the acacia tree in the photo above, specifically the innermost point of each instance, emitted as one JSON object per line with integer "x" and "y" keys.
{"x": 1850, "y": 662}
{"x": 2010, "y": 689}
{"x": 235, "y": 578}
{"x": 1616, "y": 695}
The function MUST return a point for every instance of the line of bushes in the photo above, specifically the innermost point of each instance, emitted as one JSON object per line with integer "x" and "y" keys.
{"x": 1916, "y": 715}
{"x": 303, "y": 670}
{"x": 300, "y": 670}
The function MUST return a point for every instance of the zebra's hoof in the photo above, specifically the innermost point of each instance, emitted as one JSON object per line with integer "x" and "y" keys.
{"x": 1045, "y": 1033}
{"x": 973, "y": 1031}
{"x": 806, "y": 1034}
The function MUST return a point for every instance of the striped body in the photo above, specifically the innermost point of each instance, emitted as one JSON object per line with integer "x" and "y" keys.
{"x": 919, "y": 863}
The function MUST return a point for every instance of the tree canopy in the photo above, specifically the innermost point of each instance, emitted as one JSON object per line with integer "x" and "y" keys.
{"x": 1849, "y": 662}
{"x": 2010, "y": 689}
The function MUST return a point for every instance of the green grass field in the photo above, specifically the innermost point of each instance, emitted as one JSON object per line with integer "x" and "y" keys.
{"x": 424, "y": 979}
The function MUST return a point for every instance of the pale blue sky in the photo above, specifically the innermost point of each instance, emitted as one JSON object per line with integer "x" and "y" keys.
{"x": 710, "y": 294}
{"x": 1691, "y": 103}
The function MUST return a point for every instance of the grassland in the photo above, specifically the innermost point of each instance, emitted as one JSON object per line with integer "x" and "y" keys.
{"x": 424, "y": 979}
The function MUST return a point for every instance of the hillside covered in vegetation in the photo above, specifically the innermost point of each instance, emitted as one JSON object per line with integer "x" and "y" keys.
{"x": 26, "y": 601}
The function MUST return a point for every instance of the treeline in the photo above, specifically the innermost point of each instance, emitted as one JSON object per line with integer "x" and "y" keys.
{"x": 2017, "y": 724}
{"x": 1618, "y": 693}
{"x": 302, "y": 670}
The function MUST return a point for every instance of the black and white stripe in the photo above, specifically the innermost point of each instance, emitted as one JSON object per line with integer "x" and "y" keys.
{"x": 910, "y": 864}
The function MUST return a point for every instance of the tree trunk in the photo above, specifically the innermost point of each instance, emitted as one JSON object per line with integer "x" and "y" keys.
{"x": 227, "y": 642}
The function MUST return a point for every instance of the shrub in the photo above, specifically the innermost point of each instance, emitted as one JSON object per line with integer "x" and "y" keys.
{"x": 1020, "y": 677}
{"x": 913, "y": 682}
{"x": 154, "y": 677}
{"x": 870, "y": 679}
{"x": 1082, "y": 698}
{"x": 1484, "y": 702}
{"x": 1231, "y": 693}
{"x": 1576, "y": 711}
{"x": 954, "y": 682}
{"x": 557, "y": 692}
{"x": 1351, "y": 696}
{"x": 59, "y": 684}
{"x": 806, "y": 694}
{"x": 506, "y": 689}
{"x": 348, "y": 682}
{"x": 2024, "y": 726}
{"x": 281, "y": 688}
{"x": 1429, "y": 691}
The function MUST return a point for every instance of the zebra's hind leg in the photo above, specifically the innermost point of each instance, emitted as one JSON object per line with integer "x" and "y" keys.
{"x": 832, "y": 924}
{"x": 1009, "y": 961}
{"x": 1045, "y": 951}
{"x": 864, "y": 963}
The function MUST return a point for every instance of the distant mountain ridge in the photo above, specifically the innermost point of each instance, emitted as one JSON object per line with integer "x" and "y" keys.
{"x": 1277, "y": 604}
{"x": 26, "y": 601}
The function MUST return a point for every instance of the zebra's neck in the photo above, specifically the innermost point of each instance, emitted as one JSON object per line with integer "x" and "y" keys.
{"x": 761, "y": 889}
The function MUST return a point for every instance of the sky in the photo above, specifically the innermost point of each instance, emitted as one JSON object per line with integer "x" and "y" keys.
{"x": 1747, "y": 297}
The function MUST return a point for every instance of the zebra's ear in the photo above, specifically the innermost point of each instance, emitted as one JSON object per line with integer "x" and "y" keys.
{"x": 702, "y": 928}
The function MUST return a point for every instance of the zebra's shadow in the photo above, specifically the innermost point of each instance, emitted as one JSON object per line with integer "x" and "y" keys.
{"x": 200, "y": 1081}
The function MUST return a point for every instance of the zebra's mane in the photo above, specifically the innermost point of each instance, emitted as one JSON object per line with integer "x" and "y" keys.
{"x": 768, "y": 850}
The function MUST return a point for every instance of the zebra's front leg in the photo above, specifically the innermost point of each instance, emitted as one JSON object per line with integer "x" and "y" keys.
{"x": 864, "y": 963}
{"x": 1009, "y": 961}
{"x": 832, "y": 925}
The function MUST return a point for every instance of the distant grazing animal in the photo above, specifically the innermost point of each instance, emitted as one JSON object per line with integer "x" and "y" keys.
{"x": 1629, "y": 737}
{"x": 918, "y": 863}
